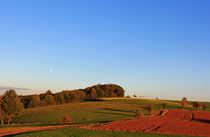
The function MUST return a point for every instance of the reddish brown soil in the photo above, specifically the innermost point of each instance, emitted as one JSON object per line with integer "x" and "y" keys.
{"x": 181, "y": 122}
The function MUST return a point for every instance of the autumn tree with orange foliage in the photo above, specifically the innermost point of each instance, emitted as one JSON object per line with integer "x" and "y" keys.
{"x": 184, "y": 102}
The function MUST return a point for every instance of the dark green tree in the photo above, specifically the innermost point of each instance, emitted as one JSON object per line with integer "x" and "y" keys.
{"x": 93, "y": 94}
{"x": 48, "y": 100}
{"x": 34, "y": 101}
{"x": 11, "y": 104}
{"x": 59, "y": 99}
{"x": 100, "y": 92}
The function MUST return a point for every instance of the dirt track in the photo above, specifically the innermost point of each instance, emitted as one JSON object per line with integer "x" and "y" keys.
{"x": 180, "y": 122}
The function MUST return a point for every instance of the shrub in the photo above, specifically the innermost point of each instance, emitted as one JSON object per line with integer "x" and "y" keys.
{"x": 139, "y": 113}
{"x": 197, "y": 105}
{"x": 150, "y": 108}
{"x": 184, "y": 102}
{"x": 66, "y": 120}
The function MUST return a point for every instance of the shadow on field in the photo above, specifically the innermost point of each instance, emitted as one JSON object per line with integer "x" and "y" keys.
{"x": 118, "y": 110}
{"x": 202, "y": 120}
{"x": 114, "y": 112}
{"x": 97, "y": 100}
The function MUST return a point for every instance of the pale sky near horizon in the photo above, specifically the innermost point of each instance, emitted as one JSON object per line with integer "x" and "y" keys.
{"x": 150, "y": 48}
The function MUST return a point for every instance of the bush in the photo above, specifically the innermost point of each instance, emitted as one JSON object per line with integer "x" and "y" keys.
{"x": 66, "y": 120}
{"x": 150, "y": 108}
{"x": 139, "y": 113}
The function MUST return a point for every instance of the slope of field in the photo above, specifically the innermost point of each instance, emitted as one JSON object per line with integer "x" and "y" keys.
{"x": 182, "y": 122}
{"x": 89, "y": 112}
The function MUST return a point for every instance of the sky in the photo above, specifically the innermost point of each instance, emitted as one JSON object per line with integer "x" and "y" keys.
{"x": 151, "y": 48}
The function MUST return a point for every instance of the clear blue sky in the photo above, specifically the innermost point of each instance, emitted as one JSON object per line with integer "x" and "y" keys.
{"x": 150, "y": 47}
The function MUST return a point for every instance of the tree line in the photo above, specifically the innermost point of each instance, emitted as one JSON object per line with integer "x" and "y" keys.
{"x": 11, "y": 104}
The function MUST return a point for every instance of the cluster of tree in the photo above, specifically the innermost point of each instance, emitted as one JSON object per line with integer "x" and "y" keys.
{"x": 196, "y": 105}
{"x": 67, "y": 96}
{"x": 10, "y": 106}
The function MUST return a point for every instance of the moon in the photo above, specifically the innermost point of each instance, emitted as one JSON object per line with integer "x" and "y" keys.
{"x": 51, "y": 70}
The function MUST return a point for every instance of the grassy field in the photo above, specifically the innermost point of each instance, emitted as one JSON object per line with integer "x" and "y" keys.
{"x": 75, "y": 132}
{"x": 92, "y": 112}
{"x": 89, "y": 112}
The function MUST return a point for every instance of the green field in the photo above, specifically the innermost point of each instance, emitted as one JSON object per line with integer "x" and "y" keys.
{"x": 88, "y": 112}
{"x": 75, "y": 132}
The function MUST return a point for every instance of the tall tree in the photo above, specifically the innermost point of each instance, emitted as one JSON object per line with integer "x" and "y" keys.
{"x": 11, "y": 104}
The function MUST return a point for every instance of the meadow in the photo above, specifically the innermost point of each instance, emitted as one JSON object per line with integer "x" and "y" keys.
{"x": 107, "y": 110}
{"x": 75, "y": 132}
{"x": 92, "y": 113}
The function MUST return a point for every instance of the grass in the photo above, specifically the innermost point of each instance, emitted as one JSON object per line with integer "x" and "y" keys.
{"x": 93, "y": 112}
{"x": 89, "y": 112}
{"x": 75, "y": 132}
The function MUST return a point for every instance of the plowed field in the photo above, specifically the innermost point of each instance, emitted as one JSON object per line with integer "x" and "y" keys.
{"x": 180, "y": 122}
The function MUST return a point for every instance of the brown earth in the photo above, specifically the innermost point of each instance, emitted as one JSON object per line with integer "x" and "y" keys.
{"x": 180, "y": 122}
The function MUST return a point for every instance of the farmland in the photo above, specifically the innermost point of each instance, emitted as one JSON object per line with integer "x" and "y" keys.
{"x": 90, "y": 113}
